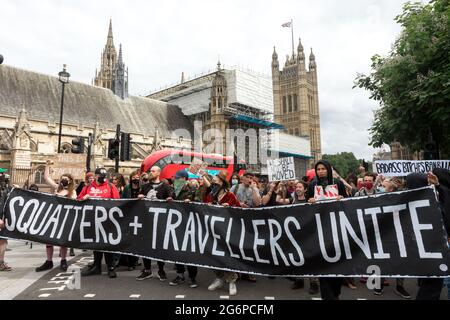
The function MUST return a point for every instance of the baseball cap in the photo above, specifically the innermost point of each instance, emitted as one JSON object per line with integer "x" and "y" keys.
{"x": 182, "y": 174}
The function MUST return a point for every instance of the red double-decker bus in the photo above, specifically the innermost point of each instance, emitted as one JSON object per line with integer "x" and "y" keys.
{"x": 171, "y": 161}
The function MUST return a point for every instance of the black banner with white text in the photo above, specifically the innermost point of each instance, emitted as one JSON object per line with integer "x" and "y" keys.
{"x": 400, "y": 233}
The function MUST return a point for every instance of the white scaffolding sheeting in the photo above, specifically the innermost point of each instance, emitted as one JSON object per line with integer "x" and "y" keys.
{"x": 244, "y": 88}
{"x": 286, "y": 143}
{"x": 250, "y": 89}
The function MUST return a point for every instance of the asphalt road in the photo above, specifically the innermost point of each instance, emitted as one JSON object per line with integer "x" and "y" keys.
{"x": 52, "y": 286}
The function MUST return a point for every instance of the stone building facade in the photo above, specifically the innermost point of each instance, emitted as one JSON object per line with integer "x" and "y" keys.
{"x": 296, "y": 97}
{"x": 29, "y": 123}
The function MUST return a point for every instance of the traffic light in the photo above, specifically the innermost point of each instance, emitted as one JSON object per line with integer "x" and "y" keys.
{"x": 125, "y": 147}
{"x": 431, "y": 151}
{"x": 113, "y": 149}
{"x": 78, "y": 145}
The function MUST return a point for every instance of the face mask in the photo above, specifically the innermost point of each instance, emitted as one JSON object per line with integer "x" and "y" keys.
{"x": 145, "y": 180}
{"x": 178, "y": 186}
{"x": 101, "y": 179}
{"x": 135, "y": 181}
{"x": 215, "y": 189}
{"x": 64, "y": 183}
{"x": 368, "y": 185}
{"x": 360, "y": 185}
{"x": 381, "y": 190}
{"x": 234, "y": 182}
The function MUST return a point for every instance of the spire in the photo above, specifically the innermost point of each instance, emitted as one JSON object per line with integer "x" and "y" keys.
{"x": 275, "y": 63}
{"x": 275, "y": 54}
{"x": 219, "y": 66}
{"x": 120, "y": 61}
{"x": 110, "y": 41}
{"x": 312, "y": 61}
{"x": 300, "y": 46}
{"x": 182, "y": 78}
{"x": 120, "y": 78}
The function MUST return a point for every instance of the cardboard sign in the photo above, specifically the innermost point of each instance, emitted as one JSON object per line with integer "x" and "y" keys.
{"x": 68, "y": 163}
{"x": 281, "y": 169}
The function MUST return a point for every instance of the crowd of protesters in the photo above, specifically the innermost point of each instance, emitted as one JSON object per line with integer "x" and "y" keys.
{"x": 246, "y": 191}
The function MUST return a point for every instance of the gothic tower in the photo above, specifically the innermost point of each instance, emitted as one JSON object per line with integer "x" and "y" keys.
{"x": 296, "y": 97}
{"x": 104, "y": 78}
{"x": 218, "y": 103}
{"x": 120, "y": 79}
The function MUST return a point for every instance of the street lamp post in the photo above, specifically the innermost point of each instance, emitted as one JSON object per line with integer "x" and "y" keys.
{"x": 64, "y": 79}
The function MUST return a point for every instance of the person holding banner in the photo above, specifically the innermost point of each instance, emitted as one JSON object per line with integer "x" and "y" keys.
{"x": 100, "y": 188}
{"x": 155, "y": 189}
{"x": 65, "y": 188}
{"x": 220, "y": 195}
{"x": 183, "y": 192}
{"x": 325, "y": 187}
{"x": 429, "y": 288}
{"x": 3, "y": 245}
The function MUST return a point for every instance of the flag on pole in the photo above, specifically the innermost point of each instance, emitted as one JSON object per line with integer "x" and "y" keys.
{"x": 287, "y": 24}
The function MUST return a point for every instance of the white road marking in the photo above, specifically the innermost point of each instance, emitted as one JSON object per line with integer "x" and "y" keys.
{"x": 135, "y": 296}
{"x": 225, "y": 297}
{"x": 269, "y": 298}
{"x": 89, "y": 295}
{"x": 361, "y": 299}
{"x": 180, "y": 297}
{"x": 316, "y": 299}
{"x": 45, "y": 295}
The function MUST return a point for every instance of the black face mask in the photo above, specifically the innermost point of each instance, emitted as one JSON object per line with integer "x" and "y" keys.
{"x": 101, "y": 179}
{"x": 64, "y": 183}
{"x": 135, "y": 181}
{"x": 215, "y": 189}
{"x": 145, "y": 180}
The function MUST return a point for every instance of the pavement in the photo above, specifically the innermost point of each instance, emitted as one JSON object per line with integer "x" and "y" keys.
{"x": 23, "y": 283}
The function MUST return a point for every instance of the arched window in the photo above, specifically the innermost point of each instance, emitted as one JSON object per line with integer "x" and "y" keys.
{"x": 284, "y": 105}
{"x": 290, "y": 103}
{"x": 39, "y": 175}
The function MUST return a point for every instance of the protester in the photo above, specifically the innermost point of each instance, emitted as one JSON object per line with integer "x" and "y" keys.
{"x": 3, "y": 244}
{"x": 392, "y": 185}
{"x": 65, "y": 188}
{"x": 429, "y": 288}
{"x": 220, "y": 195}
{"x": 89, "y": 179}
{"x": 155, "y": 189}
{"x": 369, "y": 188}
{"x": 103, "y": 189}
{"x": 300, "y": 197}
{"x": 247, "y": 192}
{"x": 235, "y": 180}
{"x": 131, "y": 191}
{"x": 284, "y": 197}
{"x": 323, "y": 185}
{"x": 4, "y": 190}
{"x": 119, "y": 182}
{"x": 183, "y": 192}
{"x": 269, "y": 198}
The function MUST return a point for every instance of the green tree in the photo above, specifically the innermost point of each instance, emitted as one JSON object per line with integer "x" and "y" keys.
{"x": 345, "y": 163}
{"x": 412, "y": 84}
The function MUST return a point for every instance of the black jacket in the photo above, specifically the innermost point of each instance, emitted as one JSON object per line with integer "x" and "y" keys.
{"x": 329, "y": 180}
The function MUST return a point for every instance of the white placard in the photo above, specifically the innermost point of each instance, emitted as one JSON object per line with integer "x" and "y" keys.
{"x": 281, "y": 169}
{"x": 402, "y": 168}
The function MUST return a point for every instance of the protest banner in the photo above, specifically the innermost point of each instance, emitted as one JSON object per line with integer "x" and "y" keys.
{"x": 400, "y": 233}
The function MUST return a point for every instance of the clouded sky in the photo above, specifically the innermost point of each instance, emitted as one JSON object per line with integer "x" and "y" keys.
{"x": 163, "y": 38}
